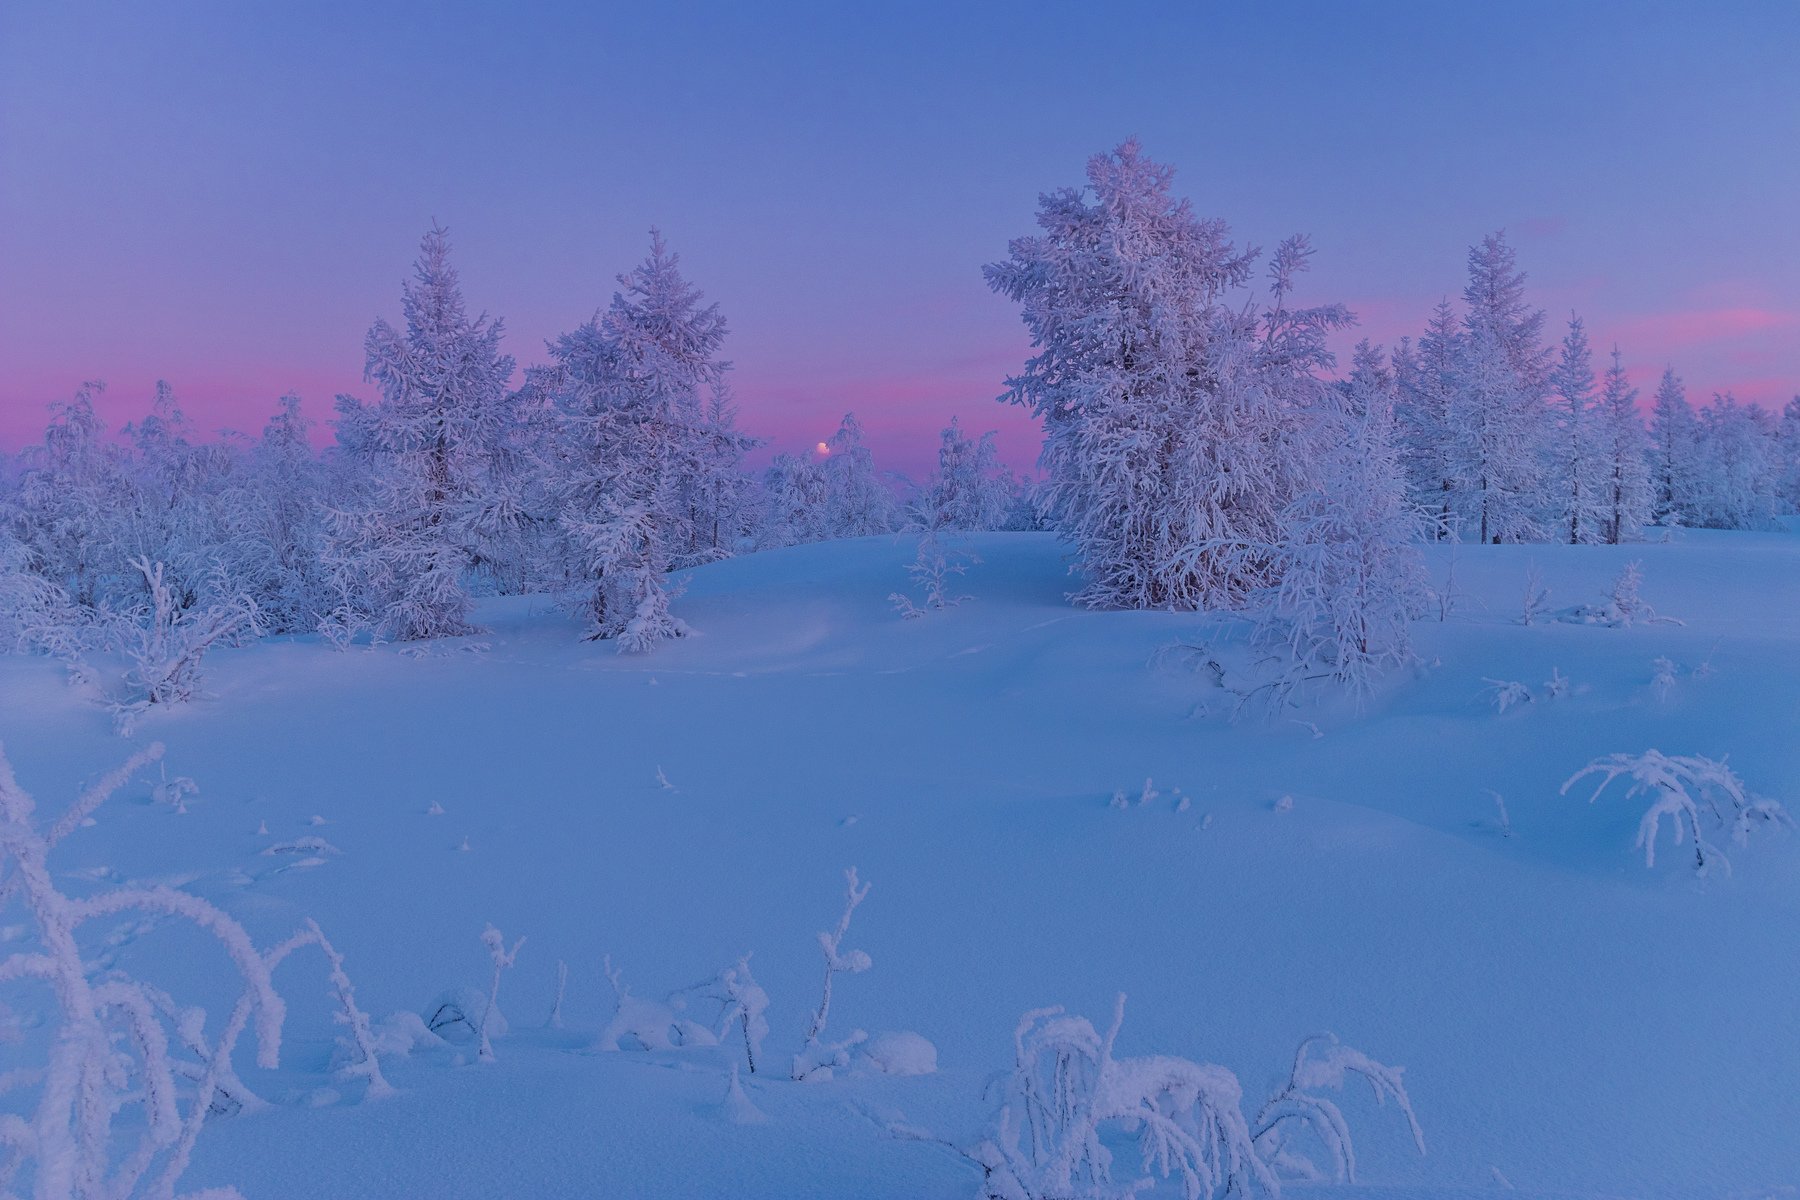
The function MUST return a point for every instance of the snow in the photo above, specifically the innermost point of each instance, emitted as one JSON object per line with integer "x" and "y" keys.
{"x": 1570, "y": 1020}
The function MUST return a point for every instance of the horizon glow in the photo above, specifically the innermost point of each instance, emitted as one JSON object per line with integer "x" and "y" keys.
{"x": 226, "y": 196}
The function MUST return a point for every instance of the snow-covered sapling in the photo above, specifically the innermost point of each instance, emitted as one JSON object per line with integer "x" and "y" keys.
{"x": 174, "y": 792}
{"x": 1505, "y": 693}
{"x": 555, "y": 1020}
{"x": 817, "y": 1059}
{"x": 1537, "y": 596}
{"x": 932, "y": 571}
{"x": 358, "y": 1050}
{"x": 1662, "y": 678}
{"x": 1557, "y": 686}
{"x": 1685, "y": 788}
{"x": 747, "y": 1006}
{"x": 503, "y": 958}
{"x": 1624, "y": 606}
{"x": 1500, "y": 809}
{"x": 1322, "y": 1063}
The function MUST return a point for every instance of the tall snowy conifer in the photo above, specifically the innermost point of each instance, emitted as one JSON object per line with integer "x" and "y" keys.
{"x": 1497, "y": 423}
{"x": 1622, "y": 458}
{"x": 630, "y": 388}
{"x": 1426, "y": 379}
{"x": 1577, "y": 473}
{"x": 1674, "y": 445}
{"x": 401, "y": 552}
{"x": 1172, "y": 409}
{"x": 969, "y": 490}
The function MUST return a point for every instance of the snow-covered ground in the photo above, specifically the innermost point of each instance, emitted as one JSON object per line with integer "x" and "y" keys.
{"x": 1569, "y": 1020}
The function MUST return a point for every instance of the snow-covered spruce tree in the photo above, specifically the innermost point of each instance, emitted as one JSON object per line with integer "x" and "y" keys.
{"x": 1576, "y": 452}
{"x": 1622, "y": 453}
{"x": 1426, "y": 381}
{"x": 108, "y": 1046}
{"x": 399, "y": 553}
{"x": 639, "y": 459}
{"x": 1496, "y": 420}
{"x": 1350, "y": 576}
{"x": 969, "y": 490}
{"x": 857, "y": 502}
{"x": 1172, "y": 409}
{"x": 1674, "y": 445}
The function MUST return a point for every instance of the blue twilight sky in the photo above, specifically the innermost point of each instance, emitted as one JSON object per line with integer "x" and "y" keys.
{"x": 226, "y": 194}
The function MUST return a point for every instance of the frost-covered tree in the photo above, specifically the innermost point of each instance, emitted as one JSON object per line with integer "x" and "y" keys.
{"x": 1426, "y": 380}
{"x": 1576, "y": 455}
{"x": 1497, "y": 422}
{"x": 640, "y": 452}
{"x": 857, "y": 502}
{"x": 1350, "y": 577}
{"x": 794, "y": 492}
{"x": 1735, "y": 470}
{"x": 1788, "y": 442}
{"x": 1172, "y": 408}
{"x": 1674, "y": 446}
{"x": 400, "y": 552}
{"x": 273, "y": 525}
{"x": 969, "y": 489}
{"x": 64, "y": 511}
{"x": 817, "y": 1058}
{"x": 1621, "y": 452}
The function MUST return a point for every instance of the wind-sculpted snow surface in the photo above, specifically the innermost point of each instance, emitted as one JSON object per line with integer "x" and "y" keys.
{"x": 1582, "y": 1026}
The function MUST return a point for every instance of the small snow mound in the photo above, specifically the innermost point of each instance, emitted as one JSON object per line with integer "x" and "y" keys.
{"x": 1285, "y": 804}
{"x": 737, "y": 1107}
{"x": 899, "y": 1053}
{"x": 456, "y": 1015}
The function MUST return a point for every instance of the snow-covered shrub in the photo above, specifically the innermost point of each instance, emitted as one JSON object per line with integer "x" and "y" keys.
{"x": 1557, "y": 686}
{"x": 1506, "y": 693}
{"x": 648, "y": 1024}
{"x": 1069, "y": 1095}
{"x": 166, "y": 642}
{"x": 108, "y": 1033}
{"x": 1324, "y": 1063}
{"x": 502, "y": 959}
{"x": 1686, "y": 789}
{"x": 460, "y": 1015}
{"x": 817, "y": 1059}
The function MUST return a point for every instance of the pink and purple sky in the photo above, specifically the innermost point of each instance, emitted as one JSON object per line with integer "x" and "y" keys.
{"x": 225, "y": 195}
